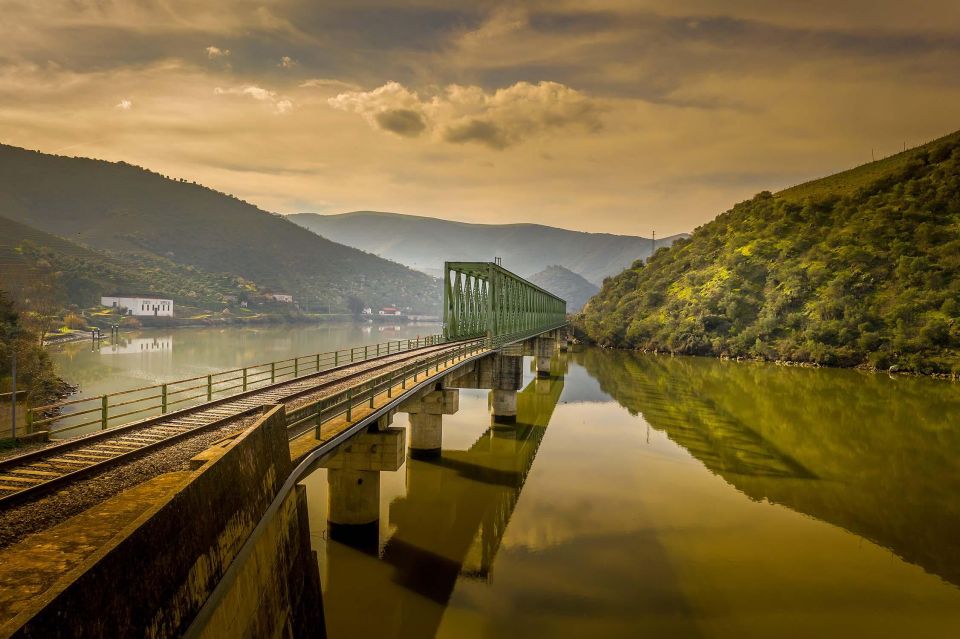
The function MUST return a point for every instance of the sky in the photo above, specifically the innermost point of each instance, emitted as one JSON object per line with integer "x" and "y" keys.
{"x": 597, "y": 115}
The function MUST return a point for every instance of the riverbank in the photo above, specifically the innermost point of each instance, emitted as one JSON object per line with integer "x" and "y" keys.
{"x": 893, "y": 370}
{"x": 67, "y": 335}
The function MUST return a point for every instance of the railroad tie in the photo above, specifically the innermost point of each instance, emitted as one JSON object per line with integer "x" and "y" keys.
{"x": 24, "y": 480}
{"x": 33, "y": 471}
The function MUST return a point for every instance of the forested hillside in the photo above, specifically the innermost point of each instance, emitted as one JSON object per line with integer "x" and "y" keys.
{"x": 79, "y": 275}
{"x": 119, "y": 207}
{"x": 425, "y": 243}
{"x": 855, "y": 269}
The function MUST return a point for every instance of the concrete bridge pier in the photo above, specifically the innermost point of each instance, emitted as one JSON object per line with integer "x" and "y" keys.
{"x": 505, "y": 379}
{"x": 353, "y": 478}
{"x": 503, "y": 373}
{"x": 503, "y": 407}
{"x": 544, "y": 352}
{"x": 426, "y": 420}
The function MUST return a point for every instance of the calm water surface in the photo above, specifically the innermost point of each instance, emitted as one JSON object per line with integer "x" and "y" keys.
{"x": 155, "y": 356}
{"x": 667, "y": 497}
{"x": 637, "y": 496}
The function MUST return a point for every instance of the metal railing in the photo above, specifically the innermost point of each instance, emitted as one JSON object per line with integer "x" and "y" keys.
{"x": 386, "y": 385}
{"x": 120, "y": 408}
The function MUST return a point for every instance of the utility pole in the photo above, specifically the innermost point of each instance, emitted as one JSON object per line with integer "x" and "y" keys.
{"x": 13, "y": 395}
{"x": 653, "y": 245}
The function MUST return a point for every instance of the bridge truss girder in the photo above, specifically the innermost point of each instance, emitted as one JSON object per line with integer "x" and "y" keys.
{"x": 483, "y": 298}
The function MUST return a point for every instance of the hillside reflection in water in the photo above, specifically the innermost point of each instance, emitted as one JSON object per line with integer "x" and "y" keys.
{"x": 682, "y": 497}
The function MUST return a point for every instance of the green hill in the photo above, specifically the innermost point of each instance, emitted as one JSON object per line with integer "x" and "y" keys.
{"x": 118, "y": 207}
{"x": 425, "y": 243}
{"x": 567, "y": 284}
{"x": 859, "y": 268}
{"x": 81, "y": 275}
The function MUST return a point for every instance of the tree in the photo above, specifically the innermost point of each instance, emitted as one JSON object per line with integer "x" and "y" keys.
{"x": 355, "y": 305}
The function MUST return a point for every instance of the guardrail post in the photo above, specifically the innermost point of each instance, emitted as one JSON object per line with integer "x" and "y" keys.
{"x": 390, "y": 378}
{"x": 365, "y": 353}
{"x": 349, "y": 404}
{"x": 373, "y": 392}
{"x": 209, "y": 387}
{"x": 163, "y": 399}
{"x": 244, "y": 379}
{"x": 319, "y": 417}
{"x": 296, "y": 367}
{"x": 103, "y": 413}
{"x": 318, "y": 362}
{"x": 378, "y": 350}
{"x": 351, "y": 354}
{"x": 336, "y": 358}
{"x": 273, "y": 372}
{"x": 28, "y": 415}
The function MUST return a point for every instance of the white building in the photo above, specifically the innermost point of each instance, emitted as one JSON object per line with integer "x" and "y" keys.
{"x": 390, "y": 310}
{"x": 139, "y": 306}
{"x": 282, "y": 297}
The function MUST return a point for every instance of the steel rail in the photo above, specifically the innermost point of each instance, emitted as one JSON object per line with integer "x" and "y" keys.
{"x": 146, "y": 429}
{"x": 253, "y": 374}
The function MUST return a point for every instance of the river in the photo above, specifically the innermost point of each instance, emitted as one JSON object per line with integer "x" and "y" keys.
{"x": 638, "y": 495}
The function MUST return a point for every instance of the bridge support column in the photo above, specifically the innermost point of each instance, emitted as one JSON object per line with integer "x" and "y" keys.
{"x": 353, "y": 479}
{"x": 354, "y": 515}
{"x": 495, "y": 371}
{"x": 545, "y": 349}
{"x": 503, "y": 407}
{"x": 426, "y": 420}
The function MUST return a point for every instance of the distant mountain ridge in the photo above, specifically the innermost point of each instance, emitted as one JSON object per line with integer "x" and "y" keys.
{"x": 563, "y": 282}
{"x": 119, "y": 207}
{"x": 424, "y": 243}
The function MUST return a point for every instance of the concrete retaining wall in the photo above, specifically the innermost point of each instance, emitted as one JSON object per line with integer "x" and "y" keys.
{"x": 277, "y": 591}
{"x": 155, "y": 574}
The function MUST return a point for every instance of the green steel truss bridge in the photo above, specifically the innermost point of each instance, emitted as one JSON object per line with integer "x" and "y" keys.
{"x": 483, "y": 299}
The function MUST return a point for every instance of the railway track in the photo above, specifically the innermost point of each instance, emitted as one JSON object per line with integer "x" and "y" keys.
{"x": 28, "y": 476}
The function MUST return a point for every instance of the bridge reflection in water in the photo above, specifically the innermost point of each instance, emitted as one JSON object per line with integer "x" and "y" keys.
{"x": 394, "y": 577}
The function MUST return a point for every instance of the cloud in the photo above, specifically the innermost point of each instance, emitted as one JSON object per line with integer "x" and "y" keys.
{"x": 124, "y": 105}
{"x": 464, "y": 114}
{"x": 286, "y": 62}
{"x": 404, "y": 122}
{"x": 482, "y": 131}
{"x": 280, "y": 104}
{"x": 325, "y": 83}
{"x": 216, "y": 52}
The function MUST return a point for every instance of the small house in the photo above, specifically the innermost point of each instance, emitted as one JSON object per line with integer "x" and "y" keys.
{"x": 139, "y": 305}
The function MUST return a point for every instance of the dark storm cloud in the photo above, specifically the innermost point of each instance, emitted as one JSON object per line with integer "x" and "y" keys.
{"x": 480, "y": 131}
{"x": 404, "y": 122}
